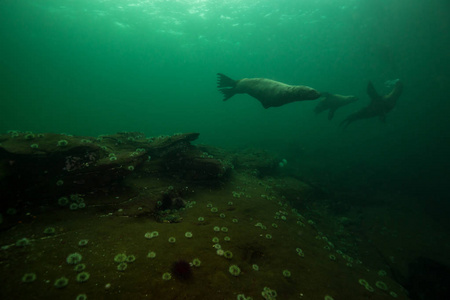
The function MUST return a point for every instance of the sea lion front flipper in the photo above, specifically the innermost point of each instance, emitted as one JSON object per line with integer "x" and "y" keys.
{"x": 331, "y": 114}
{"x": 226, "y": 86}
{"x": 373, "y": 94}
{"x": 322, "y": 105}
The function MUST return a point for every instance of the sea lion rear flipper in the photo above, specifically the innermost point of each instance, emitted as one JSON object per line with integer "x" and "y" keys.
{"x": 224, "y": 81}
{"x": 331, "y": 114}
{"x": 228, "y": 93}
{"x": 226, "y": 86}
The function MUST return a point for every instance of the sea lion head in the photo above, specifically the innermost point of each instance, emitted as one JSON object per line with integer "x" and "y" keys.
{"x": 306, "y": 93}
{"x": 351, "y": 99}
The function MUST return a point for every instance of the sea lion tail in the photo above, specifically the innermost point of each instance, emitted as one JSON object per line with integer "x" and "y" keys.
{"x": 226, "y": 86}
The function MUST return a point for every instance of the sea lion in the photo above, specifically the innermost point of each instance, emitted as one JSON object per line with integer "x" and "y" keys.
{"x": 269, "y": 92}
{"x": 332, "y": 102}
{"x": 379, "y": 105}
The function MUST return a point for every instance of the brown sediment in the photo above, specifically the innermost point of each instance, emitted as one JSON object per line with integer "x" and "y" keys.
{"x": 125, "y": 205}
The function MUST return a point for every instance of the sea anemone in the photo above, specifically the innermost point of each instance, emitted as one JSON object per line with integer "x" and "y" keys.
{"x": 63, "y": 201}
{"x": 363, "y": 282}
{"x": 369, "y": 288}
{"x": 28, "y": 277}
{"x": 83, "y": 277}
{"x": 172, "y": 240}
{"x": 49, "y": 230}
{"x": 182, "y": 270}
{"x": 300, "y": 252}
{"x": 228, "y": 254}
{"x": 74, "y": 258}
{"x": 393, "y": 294}
{"x": 151, "y": 254}
{"x": 81, "y": 297}
{"x": 61, "y": 282}
{"x": 234, "y": 270}
{"x": 22, "y": 242}
{"x": 131, "y": 258}
{"x": 62, "y": 143}
{"x": 166, "y": 276}
{"x": 119, "y": 258}
{"x": 196, "y": 262}
{"x": 79, "y": 267}
{"x": 29, "y": 136}
{"x": 255, "y": 267}
{"x": 122, "y": 266}
{"x": 83, "y": 243}
{"x": 381, "y": 285}
{"x": 286, "y": 273}
{"x": 60, "y": 182}
{"x": 11, "y": 211}
{"x": 73, "y": 206}
{"x": 268, "y": 293}
{"x": 188, "y": 234}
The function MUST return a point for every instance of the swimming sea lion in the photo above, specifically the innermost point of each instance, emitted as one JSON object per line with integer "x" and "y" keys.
{"x": 269, "y": 92}
{"x": 332, "y": 102}
{"x": 379, "y": 105}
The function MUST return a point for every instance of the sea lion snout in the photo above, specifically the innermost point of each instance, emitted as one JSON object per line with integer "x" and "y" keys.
{"x": 352, "y": 99}
{"x": 307, "y": 92}
{"x": 314, "y": 94}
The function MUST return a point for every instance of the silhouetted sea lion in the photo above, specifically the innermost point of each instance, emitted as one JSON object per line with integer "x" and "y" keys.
{"x": 332, "y": 102}
{"x": 269, "y": 92}
{"x": 379, "y": 105}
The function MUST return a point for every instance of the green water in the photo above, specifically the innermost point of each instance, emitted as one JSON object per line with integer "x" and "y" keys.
{"x": 95, "y": 67}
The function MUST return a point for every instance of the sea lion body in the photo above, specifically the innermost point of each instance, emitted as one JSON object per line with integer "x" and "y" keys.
{"x": 379, "y": 105}
{"x": 269, "y": 92}
{"x": 332, "y": 102}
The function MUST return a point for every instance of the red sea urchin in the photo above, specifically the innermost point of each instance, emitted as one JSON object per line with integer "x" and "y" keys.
{"x": 182, "y": 270}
